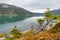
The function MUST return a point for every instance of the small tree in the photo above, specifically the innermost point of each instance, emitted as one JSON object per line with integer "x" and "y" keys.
{"x": 15, "y": 32}
{"x": 40, "y": 21}
{"x": 48, "y": 14}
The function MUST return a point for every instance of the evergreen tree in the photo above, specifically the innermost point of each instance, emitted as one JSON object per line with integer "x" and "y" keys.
{"x": 15, "y": 32}
{"x": 48, "y": 14}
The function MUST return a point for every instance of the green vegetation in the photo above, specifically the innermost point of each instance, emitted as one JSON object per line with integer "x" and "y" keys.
{"x": 57, "y": 17}
{"x": 56, "y": 28}
{"x": 48, "y": 14}
{"x": 40, "y": 21}
{"x": 15, "y": 32}
{"x": 9, "y": 38}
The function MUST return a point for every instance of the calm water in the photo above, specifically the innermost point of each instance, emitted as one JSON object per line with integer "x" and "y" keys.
{"x": 21, "y": 25}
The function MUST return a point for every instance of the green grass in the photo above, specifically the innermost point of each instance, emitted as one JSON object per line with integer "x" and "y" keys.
{"x": 58, "y": 17}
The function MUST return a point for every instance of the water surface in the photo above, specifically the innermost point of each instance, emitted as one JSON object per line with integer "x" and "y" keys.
{"x": 21, "y": 25}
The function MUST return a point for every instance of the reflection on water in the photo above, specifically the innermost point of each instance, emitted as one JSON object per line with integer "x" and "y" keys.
{"x": 22, "y": 25}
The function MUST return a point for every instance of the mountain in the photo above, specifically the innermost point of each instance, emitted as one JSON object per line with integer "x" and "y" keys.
{"x": 10, "y": 13}
{"x": 10, "y": 9}
{"x": 38, "y": 14}
{"x": 56, "y": 11}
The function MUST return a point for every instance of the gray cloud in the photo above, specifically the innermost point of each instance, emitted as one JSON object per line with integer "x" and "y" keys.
{"x": 44, "y": 4}
{"x": 34, "y": 4}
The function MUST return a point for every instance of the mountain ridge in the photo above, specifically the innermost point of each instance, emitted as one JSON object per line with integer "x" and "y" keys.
{"x": 10, "y": 13}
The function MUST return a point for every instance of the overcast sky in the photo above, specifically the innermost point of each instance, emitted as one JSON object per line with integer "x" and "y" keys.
{"x": 34, "y": 5}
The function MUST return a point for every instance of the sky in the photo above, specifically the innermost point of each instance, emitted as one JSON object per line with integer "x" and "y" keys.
{"x": 34, "y": 5}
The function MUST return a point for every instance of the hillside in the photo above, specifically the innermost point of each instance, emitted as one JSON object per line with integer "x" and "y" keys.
{"x": 10, "y": 13}
{"x": 56, "y": 28}
{"x": 56, "y": 11}
{"x": 6, "y": 9}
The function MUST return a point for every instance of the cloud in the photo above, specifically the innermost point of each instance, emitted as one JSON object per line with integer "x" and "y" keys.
{"x": 44, "y": 4}
{"x": 32, "y": 5}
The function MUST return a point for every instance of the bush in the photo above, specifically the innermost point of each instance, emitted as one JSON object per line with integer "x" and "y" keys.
{"x": 9, "y": 38}
{"x": 15, "y": 32}
{"x": 40, "y": 21}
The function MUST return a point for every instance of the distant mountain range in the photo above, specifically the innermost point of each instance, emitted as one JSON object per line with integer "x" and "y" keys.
{"x": 10, "y": 13}
{"x": 57, "y": 11}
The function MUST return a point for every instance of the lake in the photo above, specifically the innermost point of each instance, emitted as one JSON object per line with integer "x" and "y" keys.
{"x": 23, "y": 25}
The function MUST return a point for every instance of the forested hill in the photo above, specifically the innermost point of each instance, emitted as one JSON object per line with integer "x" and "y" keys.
{"x": 10, "y": 13}
{"x": 10, "y": 9}
{"x": 57, "y": 11}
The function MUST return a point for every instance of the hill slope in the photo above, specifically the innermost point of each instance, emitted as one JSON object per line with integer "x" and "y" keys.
{"x": 10, "y": 13}
{"x": 57, "y": 11}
